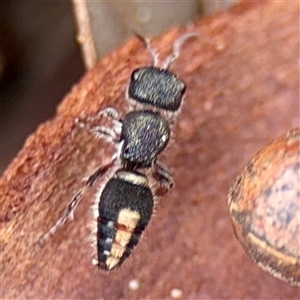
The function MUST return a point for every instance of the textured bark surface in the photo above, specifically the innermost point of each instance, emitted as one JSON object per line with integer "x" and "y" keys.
{"x": 242, "y": 91}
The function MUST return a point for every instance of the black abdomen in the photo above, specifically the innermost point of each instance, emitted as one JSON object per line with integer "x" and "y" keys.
{"x": 125, "y": 208}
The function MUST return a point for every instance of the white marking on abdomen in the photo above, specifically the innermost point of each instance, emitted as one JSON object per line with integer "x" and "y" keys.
{"x": 128, "y": 219}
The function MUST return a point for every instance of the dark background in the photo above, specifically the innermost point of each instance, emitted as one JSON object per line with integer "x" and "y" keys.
{"x": 39, "y": 62}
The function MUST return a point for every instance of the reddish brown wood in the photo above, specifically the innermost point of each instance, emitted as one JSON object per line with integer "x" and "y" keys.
{"x": 242, "y": 91}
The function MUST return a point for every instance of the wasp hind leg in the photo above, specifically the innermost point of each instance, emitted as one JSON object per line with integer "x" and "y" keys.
{"x": 69, "y": 212}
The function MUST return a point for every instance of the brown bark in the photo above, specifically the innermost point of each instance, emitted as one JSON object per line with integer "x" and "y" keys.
{"x": 242, "y": 91}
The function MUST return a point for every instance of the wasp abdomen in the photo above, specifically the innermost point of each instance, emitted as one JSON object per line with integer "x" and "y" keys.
{"x": 125, "y": 208}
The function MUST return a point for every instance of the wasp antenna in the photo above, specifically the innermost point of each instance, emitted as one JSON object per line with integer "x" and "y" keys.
{"x": 177, "y": 47}
{"x": 153, "y": 53}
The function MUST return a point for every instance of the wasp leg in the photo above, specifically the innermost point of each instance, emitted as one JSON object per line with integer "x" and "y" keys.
{"x": 163, "y": 178}
{"x": 69, "y": 212}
